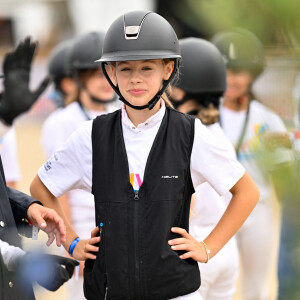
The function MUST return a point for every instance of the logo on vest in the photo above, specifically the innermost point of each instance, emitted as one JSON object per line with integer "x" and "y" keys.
{"x": 169, "y": 177}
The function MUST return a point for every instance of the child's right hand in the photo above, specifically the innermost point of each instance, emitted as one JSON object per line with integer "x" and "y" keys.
{"x": 84, "y": 247}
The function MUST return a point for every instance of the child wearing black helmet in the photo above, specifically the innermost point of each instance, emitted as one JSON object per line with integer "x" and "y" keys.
{"x": 197, "y": 92}
{"x": 91, "y": 97}
{"x": 59, "y": 71}
{"x": 260, "y": 139}
{"x": 142, "y": 163}
{"x": 64, "y": 88}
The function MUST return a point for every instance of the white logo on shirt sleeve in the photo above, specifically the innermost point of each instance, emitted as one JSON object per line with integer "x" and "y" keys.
{"x": 48, "y": 166}
{"x": 169, "y": 177}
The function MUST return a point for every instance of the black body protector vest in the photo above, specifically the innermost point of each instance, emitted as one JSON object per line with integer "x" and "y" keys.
{"x": 134, "y": 261}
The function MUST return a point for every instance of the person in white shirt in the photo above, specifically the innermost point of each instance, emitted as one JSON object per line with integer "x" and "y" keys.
{"x": 133, "y": 187}
{"x": 64, "y": 89}
{"x": 60, "y": 73}
{"x": 87, "y": 94}
{"x": 262, "y": 145}
{"x": 92, "y": 96}
{"x": 201, "y": 84}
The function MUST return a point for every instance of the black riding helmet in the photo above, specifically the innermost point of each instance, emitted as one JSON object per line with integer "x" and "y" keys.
{"x": 140, "y": 35}
{"x": 82, "y": 56}
{"x": 85, "y": 51}
{"x": 241, "y": 49}
{"x": 202, "y": 71}
{"x": 58, "y": 66}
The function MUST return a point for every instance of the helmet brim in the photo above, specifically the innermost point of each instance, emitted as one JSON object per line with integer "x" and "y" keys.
{"x": 137, "y": 55}
{"x": 91, "y": 65}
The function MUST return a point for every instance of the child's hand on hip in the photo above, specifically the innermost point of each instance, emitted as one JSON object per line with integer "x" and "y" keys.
{"x": 193, "y": 248}
{"x": 84, "y": 247}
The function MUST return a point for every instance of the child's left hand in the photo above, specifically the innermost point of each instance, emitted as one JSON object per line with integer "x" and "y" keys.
{"x": 195, "y": 249}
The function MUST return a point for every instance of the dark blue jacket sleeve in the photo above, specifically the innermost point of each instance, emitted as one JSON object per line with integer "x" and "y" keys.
{"x": 19, "y": 203}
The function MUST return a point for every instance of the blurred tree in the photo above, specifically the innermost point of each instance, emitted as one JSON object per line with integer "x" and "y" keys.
{"x": 275, "y": 22}
{"x": 184, "y": 27}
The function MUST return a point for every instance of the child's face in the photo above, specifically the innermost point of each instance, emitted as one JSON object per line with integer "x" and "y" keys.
{"x": 238, "y": 83}
{"x": 139, "y": 81}
{"x": 98, "y": 86}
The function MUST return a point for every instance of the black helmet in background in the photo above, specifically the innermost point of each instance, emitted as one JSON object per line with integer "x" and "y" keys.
{"x": 202, "y": 73}
{"x": 85, "y": 51}
{"x": 202, "y": 78}
{"x": 140, "y": 35}
{"x": 82, "y": 57}
{"x": 58, "y": 67}
{"x": 202, "y": 68}
{"x": 241, "y": 49}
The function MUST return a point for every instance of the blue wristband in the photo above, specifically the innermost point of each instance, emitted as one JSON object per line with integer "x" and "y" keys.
{"x": 73, "y": 245}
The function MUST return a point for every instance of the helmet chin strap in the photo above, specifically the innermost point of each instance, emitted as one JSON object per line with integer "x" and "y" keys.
{"x": 154, "y": 100}
{"x": 100, "y": 101}
{"x": 93, "y": 98}
{"x": 177, "y": 103}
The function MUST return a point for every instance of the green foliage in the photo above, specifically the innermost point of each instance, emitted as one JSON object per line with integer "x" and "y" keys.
{"x": 276, "y": 22}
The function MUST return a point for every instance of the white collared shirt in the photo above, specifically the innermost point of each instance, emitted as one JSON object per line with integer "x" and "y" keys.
{"x": 138, "y": 141}
{"x": 64, "y": 121}
{"x": 70, "y": 167}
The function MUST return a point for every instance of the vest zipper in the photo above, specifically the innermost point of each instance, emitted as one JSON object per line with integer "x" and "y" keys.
{"x": 136, "y": 195}
{"x": 136, "y": 244}
{"x": 106, "y": 291}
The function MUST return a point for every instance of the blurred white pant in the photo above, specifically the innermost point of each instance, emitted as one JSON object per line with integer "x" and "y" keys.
{"x": 192, "y": 296}
{"x": 74, "y": 289}
{"x": 257, "y": 247}
{"x": 220, "y": 274}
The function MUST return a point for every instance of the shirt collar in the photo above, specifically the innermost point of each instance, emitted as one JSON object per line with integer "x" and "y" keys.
{"x": 151, "y": 122}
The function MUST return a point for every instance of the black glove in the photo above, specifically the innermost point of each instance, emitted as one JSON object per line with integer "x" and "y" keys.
{"x": 17, "y": 98}
{"x": 49, "y": 271}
